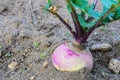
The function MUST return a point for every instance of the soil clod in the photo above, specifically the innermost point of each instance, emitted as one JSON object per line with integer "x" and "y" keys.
{"x": 101, "y": 47}
{"x": 115, "y": 65}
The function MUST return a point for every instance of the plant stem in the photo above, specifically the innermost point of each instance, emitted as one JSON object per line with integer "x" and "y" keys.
{"x": 95, "y": 3}
{"x": 65, "y": 23}
{"x": 77, "y": 25}
{"x": 87, "y": 34}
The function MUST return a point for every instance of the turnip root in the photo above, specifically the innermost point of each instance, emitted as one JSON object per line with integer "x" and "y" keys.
{"x": 68, "y": 57}
{"x": 86, "y": 20}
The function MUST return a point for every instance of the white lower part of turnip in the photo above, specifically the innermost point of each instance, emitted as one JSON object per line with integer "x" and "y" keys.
{"x": 68, "y": 57}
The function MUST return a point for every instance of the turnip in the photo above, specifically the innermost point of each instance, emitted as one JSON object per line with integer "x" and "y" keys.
{"x": 73, "y": 56}
{"x": 69, "y": 58}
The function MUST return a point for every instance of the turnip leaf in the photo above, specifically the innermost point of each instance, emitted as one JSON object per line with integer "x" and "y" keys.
{"x": 85, "y": 25}
{"x": 79, "y": 4}
{"x": 48, "y": 4}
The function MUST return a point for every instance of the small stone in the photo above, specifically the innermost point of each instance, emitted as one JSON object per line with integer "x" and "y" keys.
{"x": 0, "y": 53}
{"x": 45, "y": 64}
{"x": 17, "y": 43}
{"x": 50, "y": 34}
{"x": 115, "y": 65}
{"x": 26, "y": 50}
{"x": 101, "y": 47}
{"x": 32, "y": 78}
{"x": 49, "y": 44}
{"x": 2, "y": 8}
{"x": 16, "y": 49}
{"x": 95, "y": 33}
{"x": 12, "y": 65}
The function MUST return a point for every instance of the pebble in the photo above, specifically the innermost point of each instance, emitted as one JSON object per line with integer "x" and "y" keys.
{"x": 32, "y": 78}
{"x": 45, "y": 64}
{"x": 2, "y": 8}
{"x": 26, "y": 50}
{"x": 101, "y": 47}
{"x": 0, "y": 53}
{"x": 115, "y": 65}
{"x": 50, "y": 34}
{"x": 95, "y": 33}
{"x": 15, "y": 50}
{"x": 12, "y": 65}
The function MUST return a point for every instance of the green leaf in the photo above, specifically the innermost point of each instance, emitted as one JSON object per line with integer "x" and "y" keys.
{"x": 79, "y": 4}
{"x": 36, "y": 44}
{"x": 69, "y": 8}
{"x": 108, "y": 18}
{"x": 47, "y": 7}
{"x": 117, "y": 13}
{"x": 48, "y": 4}
{"x": 1, "y": 46}
{"x": 103, "y": 28}
{"x": 85, "y": 25}
{"x": 92, "y": 13}
{"x": 107, "y": 4}
{"x": 8, "y": 55}
{"x": 114, "y": 13}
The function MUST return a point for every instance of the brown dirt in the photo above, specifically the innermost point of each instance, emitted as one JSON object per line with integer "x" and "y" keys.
{"x": 20, "y": 30}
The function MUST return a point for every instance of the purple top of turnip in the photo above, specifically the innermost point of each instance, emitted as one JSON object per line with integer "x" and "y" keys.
{"x": 66, "y": 59}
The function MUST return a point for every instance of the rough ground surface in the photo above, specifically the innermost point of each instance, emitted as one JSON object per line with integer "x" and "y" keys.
{"x": 29, "y": 38}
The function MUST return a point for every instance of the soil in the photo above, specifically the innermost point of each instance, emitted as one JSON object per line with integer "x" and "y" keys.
{"x": 28, "y": 36}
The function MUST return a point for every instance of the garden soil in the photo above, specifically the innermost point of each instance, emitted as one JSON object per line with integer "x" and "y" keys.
{"x": 29, "y": 34}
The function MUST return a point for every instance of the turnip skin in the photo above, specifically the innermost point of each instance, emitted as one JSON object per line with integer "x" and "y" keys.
{"x": 67, "y": 59}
